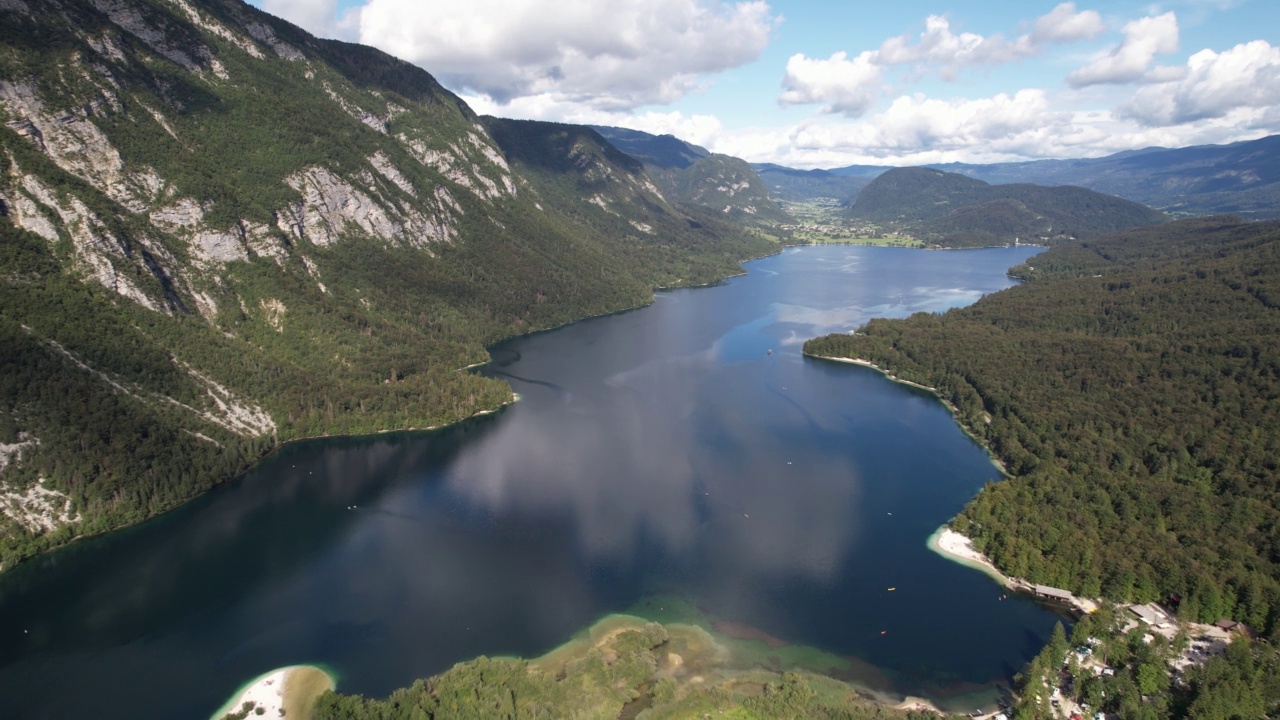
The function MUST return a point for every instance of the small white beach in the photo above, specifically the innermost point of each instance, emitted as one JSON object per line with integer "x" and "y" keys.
{"x": 284, "y": 692}
{"x": 958, "y": 548}
{"x": 954, "y": 546}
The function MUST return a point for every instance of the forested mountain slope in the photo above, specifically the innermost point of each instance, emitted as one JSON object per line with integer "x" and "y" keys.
{"x": 1132, "y": 388}
{"x": 218, "y": 233}
{"x": 956, "y": 211}
{"x": 664, "y": 151}
{"x": 692, "y": 175}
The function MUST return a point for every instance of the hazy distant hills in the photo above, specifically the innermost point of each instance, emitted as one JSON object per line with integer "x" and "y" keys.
{"x": 957, "y": 211}
{"x": 1241, "y": 178}
{"x": 794, "y": 185}
{"x": 690, "y": 174}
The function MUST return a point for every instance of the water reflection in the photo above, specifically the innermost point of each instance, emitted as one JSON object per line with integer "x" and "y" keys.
{"x": 685, "y": 448}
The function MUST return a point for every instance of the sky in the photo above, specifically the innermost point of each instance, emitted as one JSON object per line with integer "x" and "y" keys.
{"x": 822, "y": 84}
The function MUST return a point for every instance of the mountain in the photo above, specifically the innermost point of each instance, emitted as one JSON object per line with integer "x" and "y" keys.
{"x": 791, "y": 185}
{"x": 729, "y": 186}
{"x": 219, "y": 233}
{"x": 1241, "y": 178}
{"x": 958, "y": 211}
{"x": 663, "y": 151}
{"x": 690, "y": 174}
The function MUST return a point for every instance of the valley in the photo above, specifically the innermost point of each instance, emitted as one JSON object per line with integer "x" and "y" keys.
{"x": 306, "y": 362}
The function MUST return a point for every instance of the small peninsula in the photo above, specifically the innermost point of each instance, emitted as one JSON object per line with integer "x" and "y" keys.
{"x": 289, "y": 692}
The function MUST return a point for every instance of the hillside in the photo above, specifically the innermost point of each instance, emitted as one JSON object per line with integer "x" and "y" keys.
{"x": 218, "y": 233}
{"x": 1132, "y": 388}
{"x": 691, "y": 175}
{"x": 956, "y": 211}
{"x": 662, "y": 151}
{"x": 1241, "y": 178}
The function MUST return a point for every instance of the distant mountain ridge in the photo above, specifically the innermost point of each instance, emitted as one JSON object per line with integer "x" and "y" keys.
{"x": 664, "y": 151}
{"x": 1241, "y": 178}
{"x": 792, "y": 185}
{"x": 687, "y": 173}
{"x": 957, "y": 211}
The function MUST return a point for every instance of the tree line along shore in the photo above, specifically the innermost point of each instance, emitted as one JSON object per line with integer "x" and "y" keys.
{"x": 1131, "y": 387}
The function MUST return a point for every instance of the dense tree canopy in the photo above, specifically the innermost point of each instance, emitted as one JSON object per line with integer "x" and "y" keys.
{"x": 958, "y": 211}
{"x": 1132, "y": 388}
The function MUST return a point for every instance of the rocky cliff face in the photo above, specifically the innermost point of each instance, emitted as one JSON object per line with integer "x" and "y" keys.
{"x": 97, "y": 87}
{"x": 233, "y": 233}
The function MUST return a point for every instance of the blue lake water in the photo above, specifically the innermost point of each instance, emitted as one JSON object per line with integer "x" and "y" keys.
{"x": 685, "y": 450}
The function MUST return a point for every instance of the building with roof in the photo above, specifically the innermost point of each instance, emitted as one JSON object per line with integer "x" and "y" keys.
{"x": 1052, "y": 593}
{"x": 1150, "y": 614}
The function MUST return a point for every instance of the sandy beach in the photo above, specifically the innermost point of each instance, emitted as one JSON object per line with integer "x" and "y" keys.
{"x": 957, "y": 547}
{"x": 954, "y": 546}
{"x": 289, "y": 692}
{"x": 918, "y": 705}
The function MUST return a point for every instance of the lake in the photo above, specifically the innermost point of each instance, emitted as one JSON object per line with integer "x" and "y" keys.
{"x": 684, "y": 454}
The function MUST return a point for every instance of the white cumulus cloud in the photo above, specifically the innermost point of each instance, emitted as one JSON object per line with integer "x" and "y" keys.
{"x": 1212, "y": 85}
{"x": 939, "y": 46}
{"x": 1129, "y": 61}
{"x": 851, "y": 86}
{"x": 848, "y": 86}
{"x": 913, "y": 123}
{"x": 697, "y": 129}
{"x": 1065, "y": 24}
{"x": 916, "y": 130}
{"x": 318, "y": 17}
{"x": 913, "y": 129}
{"x": 609, "y": 55}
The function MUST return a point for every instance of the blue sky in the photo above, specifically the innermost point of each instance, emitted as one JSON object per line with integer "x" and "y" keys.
{"x": 824, "y": 84}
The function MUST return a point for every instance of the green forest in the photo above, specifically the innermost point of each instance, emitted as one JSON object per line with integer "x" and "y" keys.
{"x": 1131, "y": 386}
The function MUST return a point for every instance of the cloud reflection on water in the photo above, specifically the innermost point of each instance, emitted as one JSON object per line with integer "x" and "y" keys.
{"x": 676, "y": 453}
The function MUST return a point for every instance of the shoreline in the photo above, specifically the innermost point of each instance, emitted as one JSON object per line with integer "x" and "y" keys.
{"x": 955, "y": 412}
{"x": 959, "y": 549}
{"x": 290, "y": 691}
{"x": 277, "y": 444}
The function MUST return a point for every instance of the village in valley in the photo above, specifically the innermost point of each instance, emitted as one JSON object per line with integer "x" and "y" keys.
{"x": 820, "y": 221}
